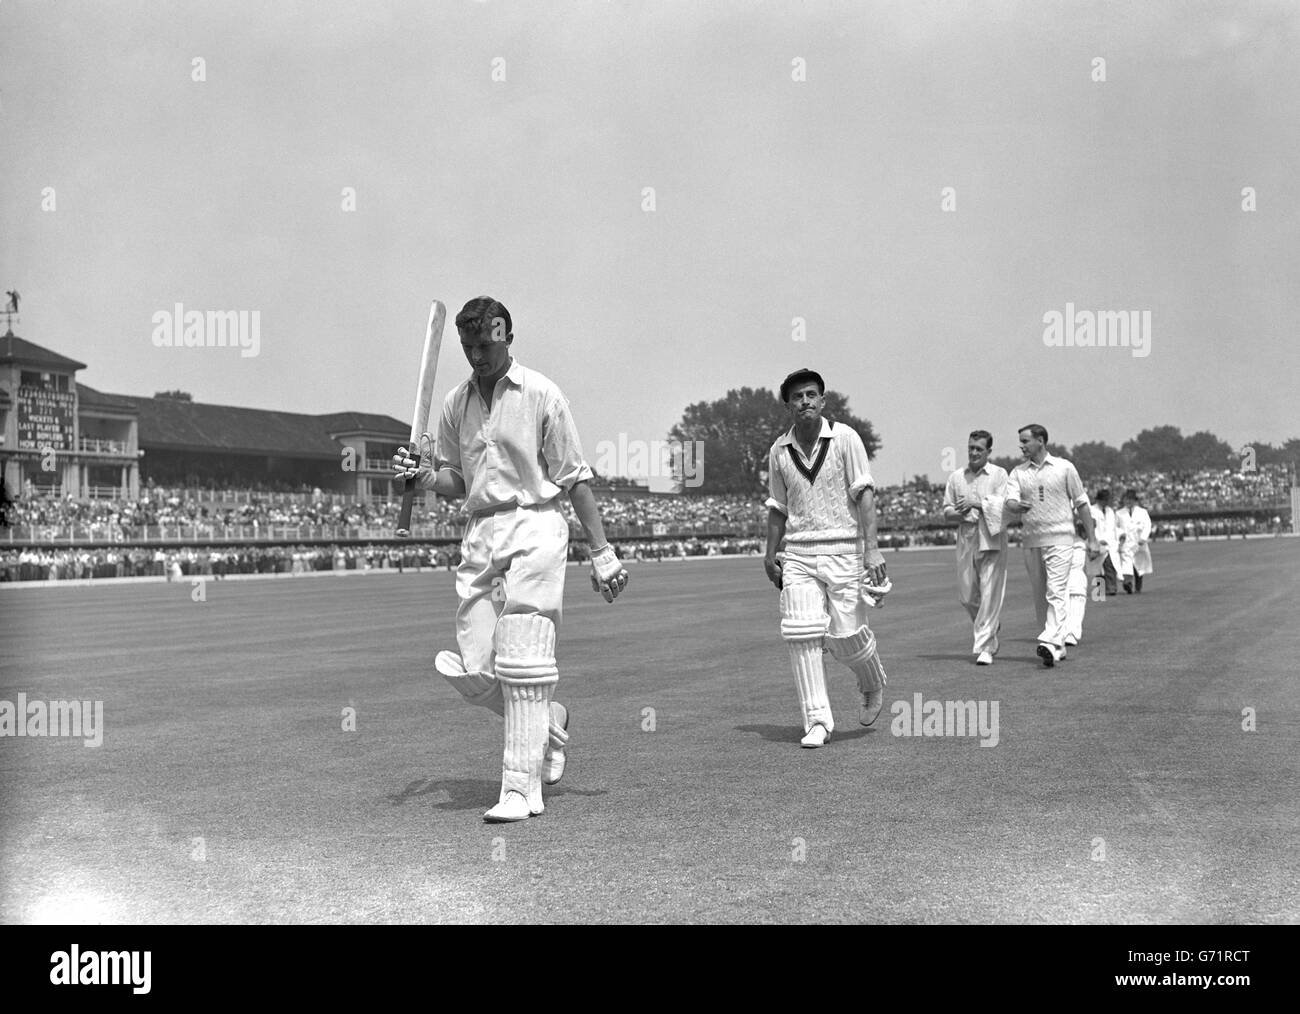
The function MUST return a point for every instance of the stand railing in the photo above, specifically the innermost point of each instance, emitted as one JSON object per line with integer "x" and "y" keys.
{"x": 96, "y": 445}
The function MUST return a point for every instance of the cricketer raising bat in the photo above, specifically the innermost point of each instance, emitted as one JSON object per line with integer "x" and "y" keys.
{"x": 420, "y": 417}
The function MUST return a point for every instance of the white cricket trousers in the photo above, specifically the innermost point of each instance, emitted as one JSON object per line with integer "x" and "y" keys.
{"x": 840, "y": 577}
{"x": 1049, "y": 579}
{"x": 1078, "y": 589}
{"x": 512, "y": 561}
{"x": 981, "y": 587}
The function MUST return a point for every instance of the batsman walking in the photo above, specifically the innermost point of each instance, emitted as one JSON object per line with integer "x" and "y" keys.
{"x": 507, "y": 442}
{"x": 822, "y": 505}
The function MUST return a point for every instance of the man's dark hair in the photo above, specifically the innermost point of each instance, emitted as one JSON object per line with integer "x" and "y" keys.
{"x": 1102, "y": 496}
{"x": 1039, "y": 432}
{"x": 1131, "y": 494}
{"x": 804, "y": 376}
{"x": 984, "y": 435}
{"x": 480, "y": 316}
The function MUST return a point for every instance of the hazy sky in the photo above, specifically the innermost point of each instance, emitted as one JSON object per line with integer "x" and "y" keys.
{"x": 774, "y": 199}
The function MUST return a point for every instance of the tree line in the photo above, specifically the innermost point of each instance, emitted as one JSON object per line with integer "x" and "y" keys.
{"x": 737, "y": 430}
{"x": 1166, "y": 449}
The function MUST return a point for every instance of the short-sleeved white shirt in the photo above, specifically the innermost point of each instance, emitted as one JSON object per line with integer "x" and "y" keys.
{"x": 525, "y": 451}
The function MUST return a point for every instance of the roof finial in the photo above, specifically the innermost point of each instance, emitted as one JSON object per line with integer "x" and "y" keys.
{"x": 11, "y": 311}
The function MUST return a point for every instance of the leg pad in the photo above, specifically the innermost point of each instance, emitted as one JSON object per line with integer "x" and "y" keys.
{"x": 803, "y": 625}
{"x": 525, "y": 647}
{"x": 480, "y": 688}
{"x": 525, "y": 664}
{"x": 858, "y": 651}
{"x": 803, "y": 612}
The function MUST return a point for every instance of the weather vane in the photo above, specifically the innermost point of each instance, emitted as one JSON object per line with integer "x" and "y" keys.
{"x": 11, "y": 309}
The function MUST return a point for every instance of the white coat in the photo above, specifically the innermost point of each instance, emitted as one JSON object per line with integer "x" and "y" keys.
{"x": 1134, "y": 526}
{"x": 1106, "y": 526}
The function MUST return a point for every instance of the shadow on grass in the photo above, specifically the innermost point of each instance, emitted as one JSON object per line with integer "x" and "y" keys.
{"x": 1035, "y": 662}
{"x": 472, "y": 793}
{"x": 793, "y": 733}
{"x": 463, "y": 793}
{"x": 1002, "y": 658}
{"x": 555, "y": 790}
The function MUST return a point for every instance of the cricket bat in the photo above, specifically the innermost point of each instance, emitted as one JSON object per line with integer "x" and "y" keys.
{"x": 420, "y": 416}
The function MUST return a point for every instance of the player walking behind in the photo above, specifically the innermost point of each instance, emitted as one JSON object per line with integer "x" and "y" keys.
{"x": 507, "y": 442}
{"x": 1083, "y": 571}
{"x": 973, "y": 496}
{"x": 1048, "y": 492}
{"x": 822, "y": 504}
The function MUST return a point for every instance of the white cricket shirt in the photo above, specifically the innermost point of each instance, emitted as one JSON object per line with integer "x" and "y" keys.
{"x": 524, "y": 452}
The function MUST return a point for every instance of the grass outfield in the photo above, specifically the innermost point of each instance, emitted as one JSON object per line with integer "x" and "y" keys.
{"x": 223, "y": 723}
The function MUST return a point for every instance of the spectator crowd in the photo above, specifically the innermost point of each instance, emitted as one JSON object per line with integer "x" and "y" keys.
{"x": 165, "y": 511}
{"x": 43, "y": 563}
{"x": 906, "y": 507}
{"x": 643, "y": 527}
{"x": 216, "y": 562}
{"x": 1209, "y": 490}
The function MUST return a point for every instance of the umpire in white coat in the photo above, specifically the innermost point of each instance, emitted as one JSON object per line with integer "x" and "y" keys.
{"x": 1134, "y": 525}
{"x": 1105, "y": 524}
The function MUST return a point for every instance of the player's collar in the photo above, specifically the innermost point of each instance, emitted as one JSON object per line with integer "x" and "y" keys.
{"x": 796, "y": 455}
{"x": 515, "y": 375}
{"x": 788, "y": 436}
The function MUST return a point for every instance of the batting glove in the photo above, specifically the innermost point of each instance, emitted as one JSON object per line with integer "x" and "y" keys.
{"x": 607, "y": 574}
{"x": 875, "y": 593}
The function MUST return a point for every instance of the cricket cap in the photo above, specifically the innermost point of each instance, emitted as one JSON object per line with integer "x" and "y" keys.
{"x": 798, "y": 377}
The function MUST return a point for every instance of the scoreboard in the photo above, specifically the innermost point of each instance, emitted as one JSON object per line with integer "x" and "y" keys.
{"x": 46, "y": 419}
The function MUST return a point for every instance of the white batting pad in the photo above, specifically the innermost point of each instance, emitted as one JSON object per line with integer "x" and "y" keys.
{"x": 803, "y": 612}
{"x": 858, "y": 651}
{"x": 803, "y": 625}
{"x": 525, "y": 647}
{"x": 525, "y": 663}
{"x": 527, "y": 715}
{"x": 476, "y": 687}
{"x": 559, "y": 738}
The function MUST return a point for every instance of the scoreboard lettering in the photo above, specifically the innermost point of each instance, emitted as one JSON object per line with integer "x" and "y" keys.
{"x": 45, "y": 419}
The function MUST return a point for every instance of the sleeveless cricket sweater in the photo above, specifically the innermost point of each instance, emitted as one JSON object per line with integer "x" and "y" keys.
{"x": 819, "y": 497}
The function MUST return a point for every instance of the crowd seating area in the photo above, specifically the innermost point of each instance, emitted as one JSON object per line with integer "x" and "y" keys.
{"x": 904, "y": 511}
{"x": 42, "y": 564}
{"x": 1208, "y": 490}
